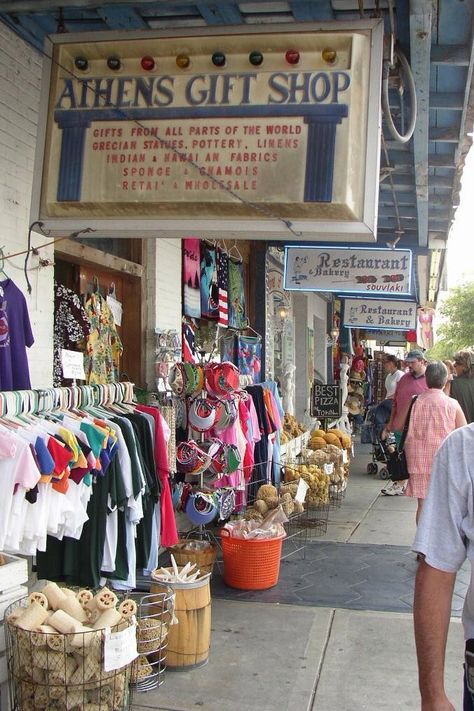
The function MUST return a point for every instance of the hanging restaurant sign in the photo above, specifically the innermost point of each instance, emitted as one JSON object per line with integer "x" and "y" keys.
{"x": 380, "y": 314}
{"x": 343, "y": 270}
{"x": 230, "y": 131}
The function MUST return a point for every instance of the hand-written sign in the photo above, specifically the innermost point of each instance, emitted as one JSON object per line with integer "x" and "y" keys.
{"x": 325, "y": 401}
{"x": 72, "y": 364}
{"x": 120, "y": 648}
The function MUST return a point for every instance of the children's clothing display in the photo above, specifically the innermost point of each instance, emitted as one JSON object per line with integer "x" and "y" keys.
{"x": 15, "y": 337}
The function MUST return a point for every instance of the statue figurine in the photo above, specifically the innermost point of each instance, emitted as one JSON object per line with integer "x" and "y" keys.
{"x": 345, "y": 367}
{"x": 288, "y": 388}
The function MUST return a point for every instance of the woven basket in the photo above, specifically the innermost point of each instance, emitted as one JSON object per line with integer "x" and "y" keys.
{"x": 204, "y": 558}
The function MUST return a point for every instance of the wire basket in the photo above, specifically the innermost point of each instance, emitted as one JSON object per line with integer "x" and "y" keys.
{"x": 154, "y": 614}
{"x": 251, "y": 564}
{"x": 63, "y": 672}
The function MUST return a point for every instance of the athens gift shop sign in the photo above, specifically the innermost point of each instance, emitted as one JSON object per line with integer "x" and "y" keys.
{"x": 216, "y": 132}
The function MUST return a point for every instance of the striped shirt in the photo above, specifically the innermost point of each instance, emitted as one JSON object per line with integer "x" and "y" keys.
{"x": 433, "y": 417}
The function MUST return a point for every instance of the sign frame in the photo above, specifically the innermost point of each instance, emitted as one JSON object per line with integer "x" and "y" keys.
{"x": 326, "y": 267}
{"x": 261, "y": 221}
{"x": 323, "y": 411}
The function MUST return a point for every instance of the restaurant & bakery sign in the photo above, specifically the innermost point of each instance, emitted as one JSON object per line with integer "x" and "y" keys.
{"x": 380, "y": 314}
{"x": 238, "y": 132}
{"x": 346, "y": 270}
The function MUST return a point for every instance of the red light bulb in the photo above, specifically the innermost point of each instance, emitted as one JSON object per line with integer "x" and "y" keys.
{"x": 148, "y": 63}
{"x": 292, "y": 56}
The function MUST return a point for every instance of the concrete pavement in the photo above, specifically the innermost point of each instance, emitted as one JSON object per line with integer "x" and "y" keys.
{"x": 284, "y": 657}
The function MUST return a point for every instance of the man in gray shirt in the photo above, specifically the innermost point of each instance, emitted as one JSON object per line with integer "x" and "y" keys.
{"x": 445, "y": 537}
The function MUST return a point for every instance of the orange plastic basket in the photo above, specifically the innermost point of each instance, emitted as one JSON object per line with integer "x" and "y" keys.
{"x": 251, "y": 564}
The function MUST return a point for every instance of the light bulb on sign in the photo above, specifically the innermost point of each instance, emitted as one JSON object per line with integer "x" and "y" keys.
{"x": 148, "y": 63}
{"x": 183, "y": 61}
{"x": 329, "y": 55}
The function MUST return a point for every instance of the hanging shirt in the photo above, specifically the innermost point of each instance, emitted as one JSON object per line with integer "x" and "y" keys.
{"x": 103, "y": 347}
{"x": 15, "y": 337}
{"x": 17, "y": 474}
{"x": 169, "y": 532}
{"x": 71, "y": 326}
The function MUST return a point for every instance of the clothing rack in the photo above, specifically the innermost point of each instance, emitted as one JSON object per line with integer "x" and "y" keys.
{"x": 35, "y": 402}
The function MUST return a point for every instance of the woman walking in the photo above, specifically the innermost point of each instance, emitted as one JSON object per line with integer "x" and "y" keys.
{"x": 462, "y": 386}
{"x": 434, "y": 415}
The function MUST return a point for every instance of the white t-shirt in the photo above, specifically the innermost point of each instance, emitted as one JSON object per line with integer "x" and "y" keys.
{"x": 18, "y": 473}
{"x": 445, "y": 532}
{"x": 391, "y": 382}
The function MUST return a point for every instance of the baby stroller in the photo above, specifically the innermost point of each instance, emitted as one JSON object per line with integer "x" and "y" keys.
{"x": 371, "y": 435}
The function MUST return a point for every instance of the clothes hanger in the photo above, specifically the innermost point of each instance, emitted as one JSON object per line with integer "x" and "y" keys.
{"x": 234, "y": 253}
{"x": 248, "y": 327}
{"x": 3, "y": 274}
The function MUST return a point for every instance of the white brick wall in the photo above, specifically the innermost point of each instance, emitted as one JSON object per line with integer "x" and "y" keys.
{"x": 20, "y": 72}
{"x": 164, "y": 289}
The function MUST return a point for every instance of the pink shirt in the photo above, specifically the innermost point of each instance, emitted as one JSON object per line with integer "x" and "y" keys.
{"x": 433, "y": 417}
{"x": 407, "y": 386}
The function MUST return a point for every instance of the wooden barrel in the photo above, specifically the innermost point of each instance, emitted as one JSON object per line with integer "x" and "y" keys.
{"x": 204, "y": 558}
{"x": 189, "y": 641}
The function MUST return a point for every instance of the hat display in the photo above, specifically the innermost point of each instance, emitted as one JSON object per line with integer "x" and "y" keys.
{"x": 356, "y": 389}
{"x": 357, "y": 375}
{"x": 201, "y": 508}
{"x": 202, "y": 414}
{"x": 354, "y": 404}
{"x": 415, "y": 355}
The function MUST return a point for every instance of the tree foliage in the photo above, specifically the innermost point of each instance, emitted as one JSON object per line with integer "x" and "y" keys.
{"x": 457, "y": 328}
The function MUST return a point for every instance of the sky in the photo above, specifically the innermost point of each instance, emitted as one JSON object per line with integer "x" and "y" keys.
{"x": 461, "y": 238}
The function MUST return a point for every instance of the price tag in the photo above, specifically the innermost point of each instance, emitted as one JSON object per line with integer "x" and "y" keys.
{"x": 329, "y": 468}
{"x": 72, "y": 364}
{"x": 120, "y": 648}
{"x": 345, "y": 456}
{"x": 116, "y": 307}
{"x": 301, "y": 491}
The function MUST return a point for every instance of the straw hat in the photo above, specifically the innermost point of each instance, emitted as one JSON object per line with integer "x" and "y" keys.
{"x": 354, "y": 404}
{"x": 357, "y": 375}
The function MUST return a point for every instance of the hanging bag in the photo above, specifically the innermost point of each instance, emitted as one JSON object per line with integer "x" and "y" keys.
{"x": 397, "y": 462}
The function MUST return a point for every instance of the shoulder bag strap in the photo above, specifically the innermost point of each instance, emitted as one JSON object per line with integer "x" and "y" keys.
{"x": 406, "y": 425}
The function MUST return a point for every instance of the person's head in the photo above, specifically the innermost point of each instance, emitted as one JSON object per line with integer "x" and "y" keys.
{"x": 450, "y": 366}
{"x": 391, "y": 363}
{"x": 464, "y": 362}
{"x": 416, "y": 362}
{"x": 436, "y": 374}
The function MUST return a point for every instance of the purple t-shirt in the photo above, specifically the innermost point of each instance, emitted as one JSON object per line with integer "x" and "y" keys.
{"x": 15, "y": 336}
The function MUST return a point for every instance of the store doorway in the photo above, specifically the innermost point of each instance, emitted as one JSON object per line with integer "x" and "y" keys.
{"x": 84, "y": 279}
